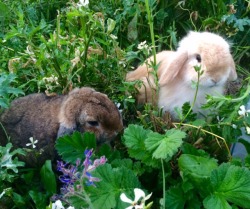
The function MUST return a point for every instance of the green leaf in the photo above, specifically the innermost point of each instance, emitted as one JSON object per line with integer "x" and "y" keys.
{"x": 164, "y": 146}
{"x": 111, "y": 25}
{"x": 39, "y": 199}
{"x": 232, "y": 183}
{"x": 216, "y": 202}
{"x": 175, "y": 198}
{"x": 72, "y": 147}
{"x": 48, "y": 177}
{"x": 197, "y": 169}
{"x": 114, "y": 181}
{"x": 132, "y": 29}
{"x": 134, "y": 138}
{"x": 7, "y": 161}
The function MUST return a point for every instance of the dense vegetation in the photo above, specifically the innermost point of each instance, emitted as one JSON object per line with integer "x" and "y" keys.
{"x": 54, "y": 46}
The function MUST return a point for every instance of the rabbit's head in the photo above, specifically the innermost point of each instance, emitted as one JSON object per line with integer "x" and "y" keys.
{"x": 87, "y": 110}
{"x": 206, "y": 50}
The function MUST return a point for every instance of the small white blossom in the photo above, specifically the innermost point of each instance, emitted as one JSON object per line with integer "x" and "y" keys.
{"x": 113, "y": 36}
{"x": 219, "y": 120}
{"x": 143, "y": 46}
{"x": 234, "y": 126}
{"x": 243, "y": 112}
{"x": 248, "y": 130}
{"x": 57, "y": 205}
{"x": 51, "y": 79}
{"x": 32, "y": 142}
{"x": 139, "y": 195}
{"x": 83, "y": 3}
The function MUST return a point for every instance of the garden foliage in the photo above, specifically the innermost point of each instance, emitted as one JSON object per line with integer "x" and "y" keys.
{"x": 54, "y": 46}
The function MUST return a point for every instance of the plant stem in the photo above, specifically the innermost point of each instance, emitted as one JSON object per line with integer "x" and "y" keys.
{"x": 208, "y": 132}
{"x": 164, "y": 186}
{"x": 199, "y": 72}
{"x": 154, "y": 65}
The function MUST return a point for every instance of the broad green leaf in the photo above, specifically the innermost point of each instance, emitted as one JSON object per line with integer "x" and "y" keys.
{"x": 175, "y": 198}
{"x": 39, "y": 198}
{"x": 164, "y": 146}
{"x": 216, "y": 202}
{"x": 114, "y": 182}
{"x": 134, "y": 139}
{"x": 72, "y": 147}
{"x": 197, "y": 170}
{"x": 232, "y": 183}
{"x": 196, "y": 166}
{"x": 48, "y": 177}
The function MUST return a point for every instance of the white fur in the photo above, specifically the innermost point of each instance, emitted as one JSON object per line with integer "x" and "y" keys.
{"x": 176, "y": 72}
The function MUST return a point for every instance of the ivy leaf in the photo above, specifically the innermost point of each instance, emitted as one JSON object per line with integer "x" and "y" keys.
{"x": 164, "y": 146}
{"x": 231, "y": 183}
{"x": 114, "y": 181}
{"x": 72, "y": 147}
{"x": 134, "y": 138}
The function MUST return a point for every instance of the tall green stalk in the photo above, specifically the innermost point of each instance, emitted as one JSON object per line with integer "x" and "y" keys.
{"x": 151, "y": 27}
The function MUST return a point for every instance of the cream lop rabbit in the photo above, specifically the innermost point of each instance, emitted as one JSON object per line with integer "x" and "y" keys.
{"x": 176, "y": 72}
{"x": 45, "y": 118}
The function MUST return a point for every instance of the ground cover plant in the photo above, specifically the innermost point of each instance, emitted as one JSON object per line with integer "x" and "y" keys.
{"x": 54, "y": 46}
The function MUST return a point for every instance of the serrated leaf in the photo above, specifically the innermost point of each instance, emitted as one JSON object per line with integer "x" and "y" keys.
{"x": 216, "y": 202}
{"x": 72, "y": 147}
{"x": 232, "y": 183}
{"x": 48, "y": 177}
{"x": 134, "y": 138}
{"x": 197, "y": 166}
{"x": 164, "y": 146}
{"x": 175, "y": 198}
{"x": 114, "y": 181}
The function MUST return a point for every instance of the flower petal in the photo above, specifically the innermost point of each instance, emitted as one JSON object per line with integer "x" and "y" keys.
{"x": 138, "y": 194}
{"x": 148, "y": 196}
{"x": 124, "y": 198}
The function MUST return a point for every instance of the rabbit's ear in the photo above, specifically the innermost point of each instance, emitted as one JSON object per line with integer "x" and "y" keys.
{"x": 170, "y": 71}
{"x": 233, "y": 74}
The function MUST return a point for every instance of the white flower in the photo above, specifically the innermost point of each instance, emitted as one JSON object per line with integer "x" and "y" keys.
{"x": 57, "y": 205}
{"x": 83, "y": 3}
{"x": 32, "y": 142}
{"x": 248, "y": 129}
{"x": 234, "y": 126}
{"x": 139, "y": 195}
{"x": 113, "y": 36}
{"x": 70, "y": 207}
{"x": 143, "y": 46}
{"x": 243, "y": 111}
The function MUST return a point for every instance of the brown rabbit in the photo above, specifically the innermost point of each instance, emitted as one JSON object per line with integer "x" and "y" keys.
{"x": 176, "y": 72}
{"x": 45, "y": 118}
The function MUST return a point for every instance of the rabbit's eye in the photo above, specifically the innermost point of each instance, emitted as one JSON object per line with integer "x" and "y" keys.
{"x": 93, "y": 123}
{"x": 198, "y": 58}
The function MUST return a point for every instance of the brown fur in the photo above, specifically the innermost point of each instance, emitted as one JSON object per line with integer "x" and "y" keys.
{"x": 46, "y": 118}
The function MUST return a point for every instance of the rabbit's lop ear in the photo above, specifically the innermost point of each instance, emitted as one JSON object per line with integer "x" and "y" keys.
{"x": 176, "y": 62}
{"x": 233, "y": 74}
